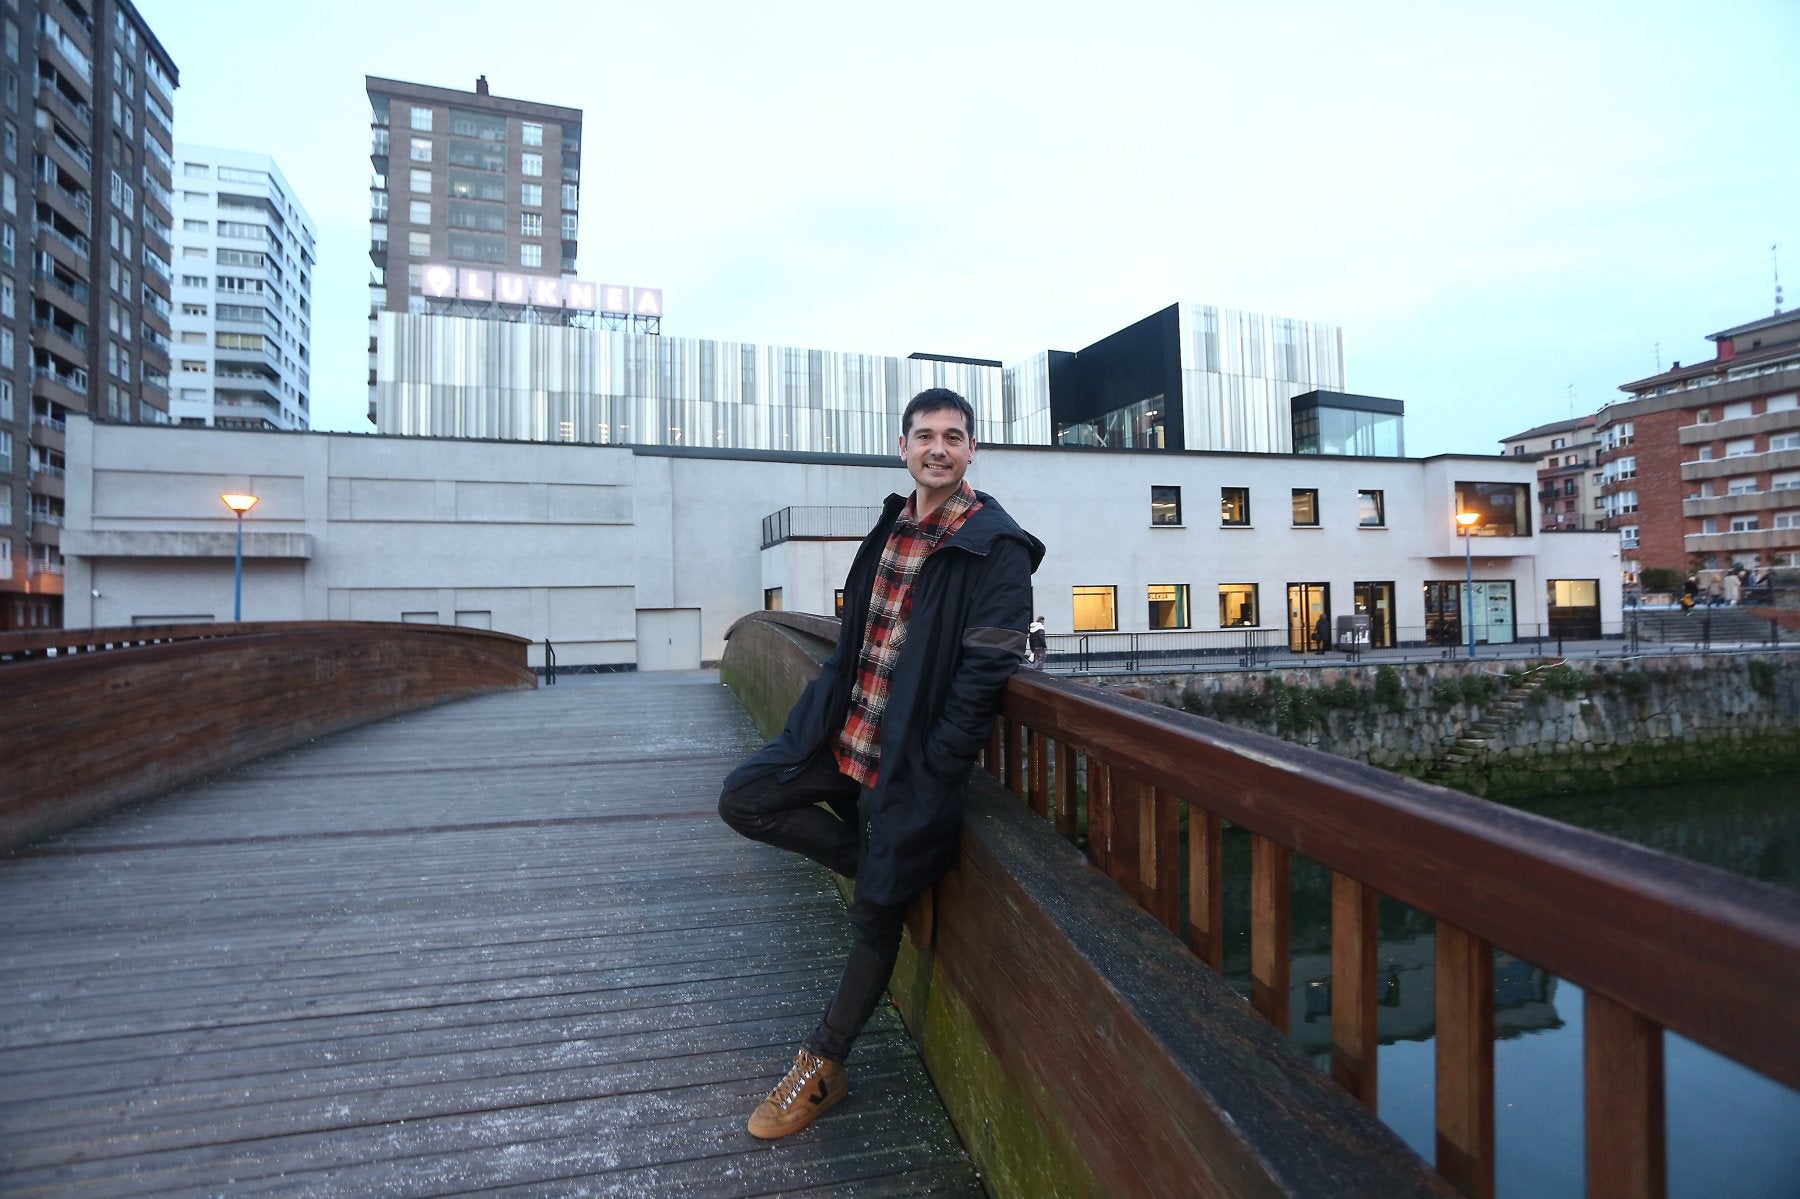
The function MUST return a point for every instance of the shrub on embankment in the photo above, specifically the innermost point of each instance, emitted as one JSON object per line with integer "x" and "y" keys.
{"x": 1564, "y": 727}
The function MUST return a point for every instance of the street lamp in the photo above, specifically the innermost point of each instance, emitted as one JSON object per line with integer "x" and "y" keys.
{"x": 239, "y": 504}
{"x": 1468, "y": 521}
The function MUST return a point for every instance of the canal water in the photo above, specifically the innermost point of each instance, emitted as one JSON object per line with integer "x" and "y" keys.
{"x": 1731, "y": 1132}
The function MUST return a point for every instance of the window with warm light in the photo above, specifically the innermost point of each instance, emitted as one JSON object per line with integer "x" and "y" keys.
{"x": 1095, "y": 609}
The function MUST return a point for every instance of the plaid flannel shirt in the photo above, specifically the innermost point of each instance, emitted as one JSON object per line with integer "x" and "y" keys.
{"x": 909, "y": 543}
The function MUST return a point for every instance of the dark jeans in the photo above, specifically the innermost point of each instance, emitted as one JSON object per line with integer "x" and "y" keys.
{"x": 787, "y": 815}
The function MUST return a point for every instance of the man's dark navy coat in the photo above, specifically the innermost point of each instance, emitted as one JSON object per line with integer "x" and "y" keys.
{"x": 965, "y": 636}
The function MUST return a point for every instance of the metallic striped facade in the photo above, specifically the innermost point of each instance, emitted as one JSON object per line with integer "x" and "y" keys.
{"x": 1240, "y": 370}
{"x": 444, "y": 376}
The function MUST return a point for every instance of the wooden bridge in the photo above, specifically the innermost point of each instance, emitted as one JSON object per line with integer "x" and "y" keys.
{"x": 505, "y": 945}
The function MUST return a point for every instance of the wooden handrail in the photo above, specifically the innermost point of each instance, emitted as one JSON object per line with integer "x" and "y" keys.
{"x": 1656, "y": 941}
{"x": 28, "y": 644}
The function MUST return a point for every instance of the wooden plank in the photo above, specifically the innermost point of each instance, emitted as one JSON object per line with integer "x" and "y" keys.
{"x": 1100, "y": 814}
{"x": 992, "y": 756}
{"x": 1627, "y": 1152}
{"x": 1040, "y": 772}
{"x": 1015, "y": 755}
{"x": 1206, "y": 887}
{"x": 1354, "y": 941}
{"x": 1465, "y": 1061}
{"x": 1159, "y": 856}
{"x": 1270, "y": 930}
{"x": 1066, "y": 776}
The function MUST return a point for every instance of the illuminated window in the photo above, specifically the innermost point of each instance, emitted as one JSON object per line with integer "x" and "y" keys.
{"x": 771, "y": 599}
{"x": 1234, "y": 506}
{"x": 1168, "y": 606}
{"x": 1237, "y": 605}
{"x": 1095, "y": 609}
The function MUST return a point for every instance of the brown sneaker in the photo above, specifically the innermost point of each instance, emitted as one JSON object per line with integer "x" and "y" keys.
{"x": 812, "y": 1086}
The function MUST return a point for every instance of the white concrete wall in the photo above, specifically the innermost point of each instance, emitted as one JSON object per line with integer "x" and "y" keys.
{"x": 569, "y": 542}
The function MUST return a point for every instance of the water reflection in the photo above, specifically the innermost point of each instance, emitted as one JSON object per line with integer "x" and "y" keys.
{"x": 1729, "y": 1129}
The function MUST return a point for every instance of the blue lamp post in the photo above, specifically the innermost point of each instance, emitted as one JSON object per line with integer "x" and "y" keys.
{"x": 1468, "y": 521}
{"x": 239, "y": 504}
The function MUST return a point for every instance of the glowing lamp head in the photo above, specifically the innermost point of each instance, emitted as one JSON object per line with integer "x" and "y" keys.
{"x": 239, "y": 504}
{"x": 1468, "y": 520}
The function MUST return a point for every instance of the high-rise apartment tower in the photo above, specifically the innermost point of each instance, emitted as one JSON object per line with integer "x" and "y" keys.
{"x": 86, "y": 166}
{"x": 244, "y": 253}
{"x": 466, "y": 179}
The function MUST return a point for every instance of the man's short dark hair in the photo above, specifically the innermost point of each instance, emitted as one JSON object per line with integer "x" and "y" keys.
{"x": 935, "y": 399}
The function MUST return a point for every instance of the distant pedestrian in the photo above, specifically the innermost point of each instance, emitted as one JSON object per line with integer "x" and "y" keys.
{"x": 1734, "y": 589}
{"x": 1715, "y": 593}
{"x": 1322, "y": 633}
{"x": 1690, "y": 594}
{"x": 1037, "y": 645}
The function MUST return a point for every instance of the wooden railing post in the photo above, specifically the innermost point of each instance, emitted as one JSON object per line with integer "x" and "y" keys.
{"x": 1627, "y": 1157}
{"x": 1465, "y": 1061}
{"x": 1066, "y": 776}
{"x": 1206, "y": 888}
{"x": 1354, "y": 940}
{"x": 1270, "y": 930}
{"x": 1040, "y": 772}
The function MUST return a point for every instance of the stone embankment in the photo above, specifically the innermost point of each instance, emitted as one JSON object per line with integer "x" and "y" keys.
{"x": 1529, "y": 729}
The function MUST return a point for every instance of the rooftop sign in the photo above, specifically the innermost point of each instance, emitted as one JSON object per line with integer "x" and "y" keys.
{"x": 539, "y": 291}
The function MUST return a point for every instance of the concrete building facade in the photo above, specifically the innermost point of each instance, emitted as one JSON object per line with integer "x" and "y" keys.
{"x": 1568, "y": 479}
{"x": 1701, "y": 466}
{"x": 644, "y": 556}
{"x": 244, "y": 254}
{"x": 87, "y": 117}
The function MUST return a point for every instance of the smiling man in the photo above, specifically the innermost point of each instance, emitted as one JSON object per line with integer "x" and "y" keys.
{"x": 935, "y": 609}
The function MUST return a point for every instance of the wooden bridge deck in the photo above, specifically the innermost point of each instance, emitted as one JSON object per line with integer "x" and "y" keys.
{"x": 500, "y": 946}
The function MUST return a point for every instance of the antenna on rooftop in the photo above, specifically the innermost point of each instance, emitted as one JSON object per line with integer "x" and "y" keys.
{"x": 1571, "y": 401}
{"x": 1657, "y": 347}
{"x": 1775, "y": 265}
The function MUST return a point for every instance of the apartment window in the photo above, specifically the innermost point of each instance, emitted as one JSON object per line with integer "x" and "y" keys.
{"x": 193, "y": 339}
{"x": 570, "y": 228}
{"x": 421, "y": 149}
{"x": 1786, "y": 403}
{"x": 1237, "y": 605}
{"x": 1744, "y": 524}
{"x": 837, "y": 603}
{"x": 418, "y": 245}
{"x": 191, "y": 367}
{"x": 531, "y": 164}
{"x": 1557, "y": 443}
{"x": 6, "y": 400}
{"x": 421, "y": 119}
{"x": 9, "y": 246}
{"x": 196, "y": 281}
{"x": 195, "y": 170}
{"x": 421, "y": 180}
{"x": 1306, "y": 506}
{"x": 1704, "y": 454}
{"x": 531, "y": 134}
{"x": 571, "y": 196}
{"x": 531, "y": 195}
{"x": 1165, "y": 505}
{"x": 1787, "y": 480}
{"x": 531, "y": 224}
{"x": 9, "y": 193}
{"x": 5, "y": 450}
{"x": 1168, "y": 606}
{"x": 1741, "y": 486}
{"x": 8, "y": 300}
{"x": 1095, "y": 610}
{"x": 531, "y": 254}
{"x": 1234, "y": 506}
{"x": 1624, "y": 468}
{"x": 1628, "y": 537}
{"x": 1784, "y": 441}
{"x": 1741, "y": 447}
{"x": 419, "y": 212}
{"x": 1625, "y": 501}
{"x": 1787, "y": 520}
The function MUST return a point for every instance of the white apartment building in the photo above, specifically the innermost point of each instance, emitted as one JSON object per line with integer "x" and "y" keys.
{"x": 244, "y": 254}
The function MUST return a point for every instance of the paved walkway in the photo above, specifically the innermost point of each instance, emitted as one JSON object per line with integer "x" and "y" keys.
{"x": 503, "y": 946}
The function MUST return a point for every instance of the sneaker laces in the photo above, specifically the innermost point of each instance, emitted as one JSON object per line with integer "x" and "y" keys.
{"x": 806, "y": 1067}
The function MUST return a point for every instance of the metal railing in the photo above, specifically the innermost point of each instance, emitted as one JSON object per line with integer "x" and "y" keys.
{"x": 817, "y": 522}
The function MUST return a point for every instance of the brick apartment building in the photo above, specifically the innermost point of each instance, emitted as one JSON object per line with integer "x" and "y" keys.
{"x": 1700, "y": 468}
{"x": 1568, "y": 486}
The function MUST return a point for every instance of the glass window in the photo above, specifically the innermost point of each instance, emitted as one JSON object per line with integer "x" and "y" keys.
{"x": 1165, "y": 505}
{"x": 1237, "y": 605}
{"x": 531, "y": 254}
{"x": 1371, "y": 509}
{"x": 421, "y": 180}
{"x": 1168, "y": 605}
{"x": 531, "y": 134}
{"x": 1743, "y": 524}
{"x": 1095, "y": 609}
{"x": 771, "y": 599}
{"x": 531, "y": 224}
{"x": 421, "y": 149}
{"x": 837, "y": 603}
{"x": 1740, "y": 447}
{"x": 418, "y": 245}
{"x": 1784, "y": 441}
{"x": 1306, "y": 506}
{"x": 571, "y": 196}
{"x": 419, "y": 212}
{"x": 531, "y": 164}
{"x": 1504, "y": 508}
{"x": 421, "y": 119}
{"x": 1234, "y": 505}
{"x": 531, "y": 194}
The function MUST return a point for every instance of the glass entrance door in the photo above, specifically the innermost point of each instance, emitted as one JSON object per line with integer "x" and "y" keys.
{"x": 1376, "y": 601}
{"x": 1309, "y": 616}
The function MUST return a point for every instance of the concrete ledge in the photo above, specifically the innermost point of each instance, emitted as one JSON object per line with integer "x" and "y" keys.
{"x": 1080, "y": 1048}
{"x": 118, "y": 543}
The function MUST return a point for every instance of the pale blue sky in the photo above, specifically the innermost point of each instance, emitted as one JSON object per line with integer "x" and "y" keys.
{"x": 1495, "y": 204}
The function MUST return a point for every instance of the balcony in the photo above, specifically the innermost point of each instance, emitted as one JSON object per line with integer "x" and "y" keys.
{"x": 1742, "y": 464}
{"x": 69, "y": 296}
{"x": 53, "y": 94}
{"x": 47, "y": 482}
{"x": 1742, "y": 426}
{"x": 46, "y": 531}
{"x": 68, "y": 341}
{"x": 1733, "y": 505}
{"x": 1764, "y": 542}
{"x": 67, "y": 388}
{"x": 71, "y": 252}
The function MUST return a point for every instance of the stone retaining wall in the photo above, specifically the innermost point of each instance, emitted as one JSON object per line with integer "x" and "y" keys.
{"x": 1584, "y": 725}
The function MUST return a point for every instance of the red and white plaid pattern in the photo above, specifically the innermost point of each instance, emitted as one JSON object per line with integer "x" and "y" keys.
{"x": 858, "y": 748}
